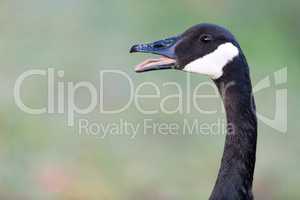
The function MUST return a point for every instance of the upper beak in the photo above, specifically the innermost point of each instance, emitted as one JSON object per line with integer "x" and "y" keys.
{"x": 165, "y": 48}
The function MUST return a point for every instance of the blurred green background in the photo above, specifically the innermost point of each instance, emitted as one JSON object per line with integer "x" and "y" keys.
{"x": 42, "y": 158}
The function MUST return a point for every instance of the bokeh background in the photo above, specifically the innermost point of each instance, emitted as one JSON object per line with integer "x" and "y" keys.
{"x": 42, "y": 158}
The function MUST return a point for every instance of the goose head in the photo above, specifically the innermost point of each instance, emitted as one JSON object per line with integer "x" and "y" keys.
{"x": 204, "y": 49}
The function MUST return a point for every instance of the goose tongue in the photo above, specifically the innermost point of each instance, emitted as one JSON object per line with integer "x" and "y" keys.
{"x": 155, "y": 64}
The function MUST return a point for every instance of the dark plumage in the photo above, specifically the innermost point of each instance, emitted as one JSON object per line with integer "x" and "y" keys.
{"x": 212, "y": 50}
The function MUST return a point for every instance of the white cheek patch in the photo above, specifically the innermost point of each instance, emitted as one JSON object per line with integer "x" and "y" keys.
{"x": 212, "y": 64}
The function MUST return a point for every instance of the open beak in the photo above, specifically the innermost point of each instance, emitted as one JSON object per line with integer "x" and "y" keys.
{"x": 165, "y": 48}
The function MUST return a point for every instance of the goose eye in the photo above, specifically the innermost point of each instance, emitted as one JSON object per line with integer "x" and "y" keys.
{"x": 206, "y": 38}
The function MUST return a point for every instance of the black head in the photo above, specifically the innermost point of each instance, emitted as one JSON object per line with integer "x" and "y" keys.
{"x": 204, "y": 49}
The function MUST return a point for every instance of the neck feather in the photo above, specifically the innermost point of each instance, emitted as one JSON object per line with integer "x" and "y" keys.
{"x": 237, "y": 167}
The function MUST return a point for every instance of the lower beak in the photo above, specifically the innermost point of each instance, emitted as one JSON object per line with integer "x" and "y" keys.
{"x": 164, "y": 48}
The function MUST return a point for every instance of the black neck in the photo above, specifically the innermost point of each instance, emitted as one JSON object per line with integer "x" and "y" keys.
{"x": 237, "y": 167}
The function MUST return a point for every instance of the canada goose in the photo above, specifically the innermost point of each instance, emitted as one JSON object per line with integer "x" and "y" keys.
{"x": 212, "y": 50}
